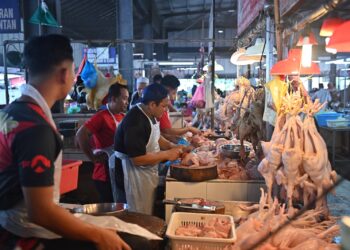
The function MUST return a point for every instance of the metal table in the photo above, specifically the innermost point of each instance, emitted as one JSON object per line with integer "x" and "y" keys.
{"x": 334, "y": 131}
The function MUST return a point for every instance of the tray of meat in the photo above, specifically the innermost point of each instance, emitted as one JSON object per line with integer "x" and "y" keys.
{"x": 201, "y": 231}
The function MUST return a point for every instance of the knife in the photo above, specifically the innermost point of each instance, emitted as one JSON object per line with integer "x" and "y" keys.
{"x": 190, "y": 205}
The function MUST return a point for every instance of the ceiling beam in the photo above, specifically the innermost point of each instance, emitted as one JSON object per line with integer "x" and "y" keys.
{"x": 196, "y": 49}
{"x": 182, "y": 13}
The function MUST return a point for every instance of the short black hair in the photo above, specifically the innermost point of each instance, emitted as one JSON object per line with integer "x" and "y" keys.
{"x": 320, "y": 85}
{"x": 115, "y": 90}
{"x": 42, "y": 53}
{"x": 157, "y": 78}
{"x": 154, "y": 93}
{"x": 170, "y": 81}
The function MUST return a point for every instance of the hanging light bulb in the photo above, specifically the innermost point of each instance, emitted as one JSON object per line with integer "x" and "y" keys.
{"x": 306, "y": 53}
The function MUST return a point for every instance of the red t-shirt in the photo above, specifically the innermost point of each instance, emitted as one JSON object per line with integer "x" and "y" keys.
{"x": 103, "y": 128}
{"x": 164, "y": 121}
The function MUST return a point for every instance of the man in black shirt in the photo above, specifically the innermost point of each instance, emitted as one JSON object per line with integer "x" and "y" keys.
{"x": 139, "y": 148}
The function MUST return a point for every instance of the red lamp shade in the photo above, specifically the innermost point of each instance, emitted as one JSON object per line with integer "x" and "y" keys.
{"x": 329, "y": 25}
{"x": 292, "y": 66}
{"x": 340, "y": 40}
{"x": 305, "y": 40}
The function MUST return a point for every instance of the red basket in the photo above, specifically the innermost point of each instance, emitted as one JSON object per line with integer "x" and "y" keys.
{"x": 69, "y": 177}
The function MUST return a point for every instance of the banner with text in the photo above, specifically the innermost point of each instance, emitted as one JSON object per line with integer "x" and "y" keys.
{"x": 10, "y": 16}
{"x": 247, "y": 10}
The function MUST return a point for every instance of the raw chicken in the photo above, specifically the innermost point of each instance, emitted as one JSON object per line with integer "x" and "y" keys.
{"x": 305, "y": 232}
{"x": 214, "y": 228}
{"x": 190, "y": 159}
{"x": 315, "y": 159}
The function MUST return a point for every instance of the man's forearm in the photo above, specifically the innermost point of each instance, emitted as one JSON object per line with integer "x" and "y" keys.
{"x": 149, "y": 159}
{"x": 56, "y": 219}
{"x": 83, "y": 141}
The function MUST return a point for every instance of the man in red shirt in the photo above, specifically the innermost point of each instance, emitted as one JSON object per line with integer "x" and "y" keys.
{"x": 101, "y": 127}
{"x": 171, "y": 83}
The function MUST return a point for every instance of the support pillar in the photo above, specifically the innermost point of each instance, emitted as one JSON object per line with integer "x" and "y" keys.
{"x": 270, "y": 41}
{"x": 333, "y": 72}
{"x": 162, "y": 48}
{"x": 30, "y": 29}
{"x": 125, "y": 30}
{"x": 148, "y": 47}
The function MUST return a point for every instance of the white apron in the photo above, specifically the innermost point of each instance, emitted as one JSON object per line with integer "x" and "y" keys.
{"x": 111, "y": 161}
{"x": 15, "y": 220}
{"x": 141, "y": 181}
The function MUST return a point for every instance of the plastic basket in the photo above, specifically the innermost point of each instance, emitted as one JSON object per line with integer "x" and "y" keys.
{"x": 322, "y": 118}
{"x": 69, "y": 177}
{"x": 197, "y": 243}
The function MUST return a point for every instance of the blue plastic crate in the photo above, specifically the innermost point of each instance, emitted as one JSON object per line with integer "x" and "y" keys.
{"x": 322, "y": 118}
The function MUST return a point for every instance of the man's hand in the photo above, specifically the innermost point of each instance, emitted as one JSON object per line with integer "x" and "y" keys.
{"x": 186, "y": 149}
{"x": 109, "y": 240}
{"x": 100, "y": 157}
{"x": 194, "y": 130}
{"x": 174, "y": 153}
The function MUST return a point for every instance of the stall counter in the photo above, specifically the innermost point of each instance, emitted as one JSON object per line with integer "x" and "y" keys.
{"x": 217, "y": 189}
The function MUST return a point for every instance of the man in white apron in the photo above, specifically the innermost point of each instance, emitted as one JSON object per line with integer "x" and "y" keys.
{"x": 139, "y": 148}
{"x": 31, "y": 153}
{"x": 102, "y": 127}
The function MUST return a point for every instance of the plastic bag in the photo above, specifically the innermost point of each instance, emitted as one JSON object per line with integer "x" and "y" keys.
{"x": 278, "y": 89}
{"x": 89, "y": 75}
{"x": 198, "y": 97}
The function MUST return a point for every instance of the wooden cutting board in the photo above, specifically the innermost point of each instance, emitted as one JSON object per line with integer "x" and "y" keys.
{"x": 193, "y": 174}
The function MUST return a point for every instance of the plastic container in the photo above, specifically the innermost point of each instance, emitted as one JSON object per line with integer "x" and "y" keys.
{"x": 197, "y": 243}
{"x": 322, "y": 118}
{"x": 69, "y": 177}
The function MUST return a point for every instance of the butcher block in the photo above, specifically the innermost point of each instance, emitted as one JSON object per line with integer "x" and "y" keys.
{"x": 193, "y": 174}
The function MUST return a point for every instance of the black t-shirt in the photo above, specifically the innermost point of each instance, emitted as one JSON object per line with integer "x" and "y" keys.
{"x": 29, "y": 145}
{"x": 133, "y": 133}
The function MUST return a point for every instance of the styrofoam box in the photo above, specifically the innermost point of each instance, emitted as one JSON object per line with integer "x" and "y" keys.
{"x": 216, "y": 190}
{"x": 197, "y": 243}
{"x": 338, "y": 123}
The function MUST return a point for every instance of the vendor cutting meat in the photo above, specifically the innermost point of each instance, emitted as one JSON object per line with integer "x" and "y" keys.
{"x": 102, "y": 127}
{"x": 141, "y": 148}
{"x": 31, "y": 160}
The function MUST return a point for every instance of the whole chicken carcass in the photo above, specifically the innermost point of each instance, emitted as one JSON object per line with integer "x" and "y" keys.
{"x": 190, "y": 159}
{"x": 272, "y": 161}
{"x": 292, "y": 159}
{"x": 315, "y": 162}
